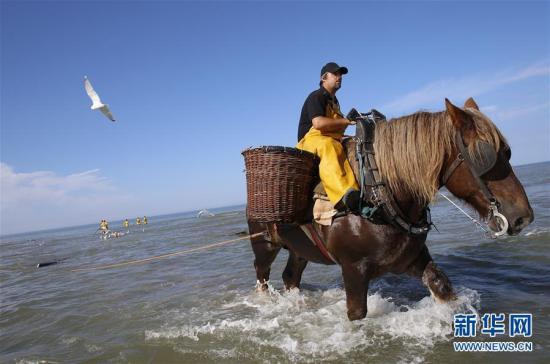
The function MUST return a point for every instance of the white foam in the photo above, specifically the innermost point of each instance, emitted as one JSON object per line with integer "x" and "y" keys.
{"x": 91, "y": 348}
{"x": 224, "y": 353}
{"x": 538, "y": 231}
{"x": 69, "y": 340}
{"x": 177, "y": 332}
{"x": 412, "y": 360}
{"x": 308, "y": 325}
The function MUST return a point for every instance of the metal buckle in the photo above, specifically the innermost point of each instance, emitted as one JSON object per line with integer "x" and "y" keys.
{"x": 500, "y": 219}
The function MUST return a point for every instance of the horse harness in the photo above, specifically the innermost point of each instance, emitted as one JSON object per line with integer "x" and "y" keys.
{"x": 380, "y": 206}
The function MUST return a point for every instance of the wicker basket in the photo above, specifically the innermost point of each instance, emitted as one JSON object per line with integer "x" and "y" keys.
{"x": 279, "y": 183}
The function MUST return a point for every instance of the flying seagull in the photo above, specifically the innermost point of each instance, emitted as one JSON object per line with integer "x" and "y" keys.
{"x": 97, "y": 104}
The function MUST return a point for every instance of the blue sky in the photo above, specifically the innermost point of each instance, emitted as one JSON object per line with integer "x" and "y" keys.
{"x": 193, "y": 84}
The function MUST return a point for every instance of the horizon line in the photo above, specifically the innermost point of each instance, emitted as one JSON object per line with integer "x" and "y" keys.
{"x": 169, "y": 213}
{"x": 94, "y": 223}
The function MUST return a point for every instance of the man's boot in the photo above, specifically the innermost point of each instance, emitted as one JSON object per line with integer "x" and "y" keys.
{"x": 352, "y": 201}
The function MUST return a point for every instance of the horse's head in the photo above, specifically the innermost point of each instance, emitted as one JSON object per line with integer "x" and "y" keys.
{"x": 478, "y": 171}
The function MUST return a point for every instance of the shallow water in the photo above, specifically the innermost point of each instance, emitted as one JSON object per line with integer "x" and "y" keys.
{"x": 203, "y": 307}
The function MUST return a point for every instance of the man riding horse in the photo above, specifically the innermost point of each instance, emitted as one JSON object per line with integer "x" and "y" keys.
{"x": 459, "y": 148}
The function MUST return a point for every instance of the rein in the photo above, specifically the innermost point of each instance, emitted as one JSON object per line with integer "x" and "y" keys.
{"x": 465, "y": 213}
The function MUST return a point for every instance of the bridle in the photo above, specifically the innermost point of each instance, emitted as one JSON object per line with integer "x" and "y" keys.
{"x": 478, "y": 169}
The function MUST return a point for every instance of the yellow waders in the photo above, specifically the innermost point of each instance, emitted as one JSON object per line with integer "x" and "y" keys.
{"x": 335, "y": 171}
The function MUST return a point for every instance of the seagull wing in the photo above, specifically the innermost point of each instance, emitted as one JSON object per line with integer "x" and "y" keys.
{"x": 91, "y": 92}
{"x": 105, "y": 110}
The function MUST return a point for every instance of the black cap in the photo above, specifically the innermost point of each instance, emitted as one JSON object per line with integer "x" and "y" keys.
{"x": 333, "y": 68}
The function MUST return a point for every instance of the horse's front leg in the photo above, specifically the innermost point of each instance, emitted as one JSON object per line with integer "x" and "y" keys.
{"x": 356, "y": 283}
{"x": 433, "y": 278}
{"x": 292, "y": 275}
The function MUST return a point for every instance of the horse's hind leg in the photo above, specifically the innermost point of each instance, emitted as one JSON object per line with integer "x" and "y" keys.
{"x": 265, "y": 253}
{"x": 292, "y": 275}
{"x": 433, "y": 278}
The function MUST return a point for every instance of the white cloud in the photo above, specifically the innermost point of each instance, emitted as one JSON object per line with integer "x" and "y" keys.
{"x": 515, "y": 113}
{"x": 486, "y": 109}
{"x": 461, "y": 88}
{"x": 43, "y": 199}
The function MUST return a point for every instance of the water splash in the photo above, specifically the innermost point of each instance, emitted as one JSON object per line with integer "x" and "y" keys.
{"x": 305, "y": 326}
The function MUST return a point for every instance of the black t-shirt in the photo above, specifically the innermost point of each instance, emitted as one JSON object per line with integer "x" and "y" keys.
{"x": 315, "y": 105}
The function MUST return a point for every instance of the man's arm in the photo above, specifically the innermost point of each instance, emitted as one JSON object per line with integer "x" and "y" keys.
{"x": 328, "y": 125}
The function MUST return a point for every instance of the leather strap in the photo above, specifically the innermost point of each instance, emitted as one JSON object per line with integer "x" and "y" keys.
{"x": 464, "y": 156}
{"x": 458, "y": 160}
{"x": 312, "y": 234}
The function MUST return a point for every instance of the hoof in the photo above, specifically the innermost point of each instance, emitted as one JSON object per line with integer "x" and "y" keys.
{"x": 438, "y": 300}
{"x": 261, "y": 287}
{"x": 443, "y": 299}
{"x": 292, "y": 288}
{"x": 354, "y": 315}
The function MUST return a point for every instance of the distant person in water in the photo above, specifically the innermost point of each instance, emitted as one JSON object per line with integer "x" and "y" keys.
{"x": 103, "y": 225}
{"x": 138, "y": 221}
{"x": 104, "y": 228}
{"x": 144, "y": 220}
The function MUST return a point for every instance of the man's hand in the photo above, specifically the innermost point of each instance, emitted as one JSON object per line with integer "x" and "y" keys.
{"x": 352, "y": 116}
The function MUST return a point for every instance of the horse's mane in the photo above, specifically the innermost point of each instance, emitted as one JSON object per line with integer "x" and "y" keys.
{"x": 410, "y": 150}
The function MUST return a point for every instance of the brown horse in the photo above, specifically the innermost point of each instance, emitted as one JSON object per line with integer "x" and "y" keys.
{"x": 416, "y": 155}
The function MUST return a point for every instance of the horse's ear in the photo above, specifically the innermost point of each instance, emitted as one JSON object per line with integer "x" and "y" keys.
{"x": 470, "y": 103}
{"x": 459, "y": 118}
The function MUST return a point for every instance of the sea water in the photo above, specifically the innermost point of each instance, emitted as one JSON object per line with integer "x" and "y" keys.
{"x": 202, "y": 306}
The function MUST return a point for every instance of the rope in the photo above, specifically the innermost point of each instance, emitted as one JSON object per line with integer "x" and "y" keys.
{"x": 138, "y": 261}
{"x": 464, "y": 212}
